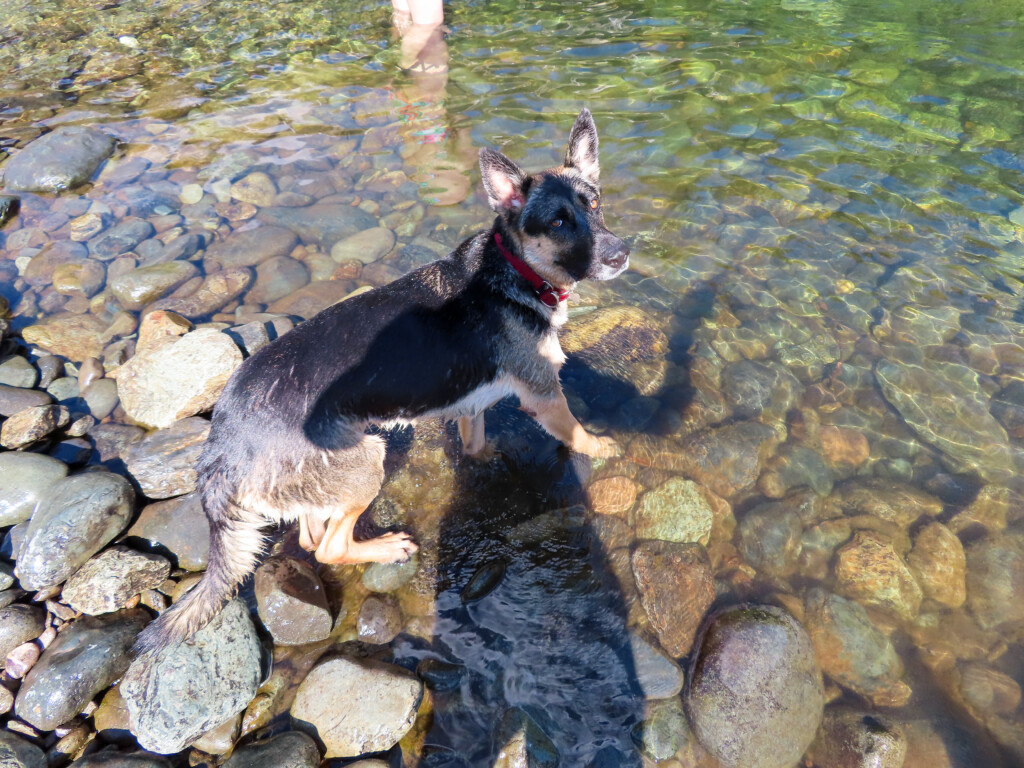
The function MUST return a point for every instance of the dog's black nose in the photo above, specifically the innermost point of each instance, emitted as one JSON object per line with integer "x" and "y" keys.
{"x": 618, "y": 256}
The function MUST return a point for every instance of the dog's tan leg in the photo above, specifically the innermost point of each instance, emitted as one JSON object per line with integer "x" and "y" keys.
{"x": 554, "y": 415}
{"x": 339, "y": 548}
{"x": 311, "y": 531}
{"x": 471, "y": 430}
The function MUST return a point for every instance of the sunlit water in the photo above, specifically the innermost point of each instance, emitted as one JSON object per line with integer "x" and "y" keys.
{"x": 835, "y": 186}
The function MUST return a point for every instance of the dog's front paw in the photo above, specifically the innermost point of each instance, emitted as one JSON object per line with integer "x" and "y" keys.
{"x": 602, "y": 447}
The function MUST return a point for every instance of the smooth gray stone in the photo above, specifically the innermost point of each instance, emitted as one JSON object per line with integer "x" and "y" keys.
{"x": 83, "y": 660}
{"x": 19, "y": 624}
{"x": 16, "y": 752}
{"x": 323, "y": 224}
{"x": 63, "y": 159}
{"x": 101, "y": 397}
{"x": 25, "y": 478}
{"x": 170, "y": 699}
{"x": 16, "y": 371}
{"x": 15, "y": 399}
{"x": 287, "y": 750}
{"x": 178, "y": 526}
{"x": 79, "y": 517}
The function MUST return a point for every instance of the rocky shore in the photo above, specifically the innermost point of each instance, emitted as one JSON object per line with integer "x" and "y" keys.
{"x": 815, "y": 533}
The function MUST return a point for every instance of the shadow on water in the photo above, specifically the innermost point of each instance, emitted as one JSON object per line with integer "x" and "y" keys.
{"x": 528, "y": 614}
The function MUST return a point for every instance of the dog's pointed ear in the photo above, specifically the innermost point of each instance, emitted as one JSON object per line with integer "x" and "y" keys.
{"x": 503, "y": 181}
{"x": 582, "y": 151}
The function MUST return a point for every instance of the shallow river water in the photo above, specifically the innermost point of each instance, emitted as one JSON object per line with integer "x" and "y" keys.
{"x": 815, "y": 365}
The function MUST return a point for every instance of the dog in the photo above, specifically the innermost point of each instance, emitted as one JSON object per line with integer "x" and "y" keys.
{"x": 288, "y": 440}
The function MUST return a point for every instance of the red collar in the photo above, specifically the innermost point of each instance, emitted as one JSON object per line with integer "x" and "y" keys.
{"x": 547, "y": 293}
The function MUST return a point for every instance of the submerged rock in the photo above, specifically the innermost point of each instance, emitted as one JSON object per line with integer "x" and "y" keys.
{"x": 379, "y": 700}
{"x": 291, "y": 601}
{"x": 323, "y": 224}
{"x": 755, "y": 697}
{"x": 853, "y": 739}
{"x": 75, "y": 337}
{"x": 940, "y": 565}
{"x": 60, "y": 160}
{"x": 85, "y": 658}
{"x": 995, "y": 580}
{"x": 78, "y": 518}
{"x": 676, "y": 588}
{"x": 250, "y": 247}
{"x": 170, "y": 700}
{"x": 291, "y": 749}
{"x": 25, "y": 478}
{"x": 853, "y": 651}
{"x": 172, "y": 378}
{"x": 945, "y": 405}
{"x": 871, "y": 572}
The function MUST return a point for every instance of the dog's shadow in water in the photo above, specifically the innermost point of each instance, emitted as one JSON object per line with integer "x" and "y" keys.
{"x": 529, "y": 614}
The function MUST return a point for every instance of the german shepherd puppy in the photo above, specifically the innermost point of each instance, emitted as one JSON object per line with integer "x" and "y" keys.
{"x": 288, "y": 440}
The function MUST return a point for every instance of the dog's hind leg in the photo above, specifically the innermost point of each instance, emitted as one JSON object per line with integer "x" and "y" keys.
{"x": 311, "y": 531}
{"x": 471, "y": 430}
{"x": 359, "y": 471}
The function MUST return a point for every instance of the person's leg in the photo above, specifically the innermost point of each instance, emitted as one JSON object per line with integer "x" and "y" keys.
{"x": 428, "y": 13}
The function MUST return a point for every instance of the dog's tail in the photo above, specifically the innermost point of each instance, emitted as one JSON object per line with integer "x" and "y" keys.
{"x": 236, "y": 541}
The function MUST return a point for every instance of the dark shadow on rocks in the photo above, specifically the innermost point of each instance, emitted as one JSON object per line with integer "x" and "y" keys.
{"x": 531, "y": 626}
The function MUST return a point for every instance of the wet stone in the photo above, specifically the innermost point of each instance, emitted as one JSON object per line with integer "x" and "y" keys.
{"x": 770, "y": 539}
{"x": 388, "y": 577}
{"x": 795, "y": 466}
{"x": 311, "y": 299}
{"x": 291, "y": 601}
{"x": 525, "y": 744}
{"x": 871, "y": 572}
{"x": 135, "y": 289}
{"x": 107, "y": 581}
{"x": 679, "y": 510}
{"x": 727, "y": 460}
{"x": 276, "y": 278}
{"x": 76, "y": 519}
{"x": 664, "y": 730}
{"x": 169, "y": 700}
{"x": 63, "y": 159}
{"x": 939, "y": 564}
{"x": 122, "y": 760}
{"x": 32, "y": 424}
{"x": 852, "y": 738}
{"x": 178, "y": 527}
{"x": 379, "y": 620}
{"x": 19, "y": 624}
{"x": 613, "y": 495}
{"x": 75, "y": 337}
{"x": 995, "y": 580}
{"x": 388, "y": 695}
{"x": 250, "y": 247}
{"x": 101, "y": 398}
{"x": 755, "y": 696}
{"x": 988, "y": 691}
{"x": 164, "y": 462}
{"x": 676, "y": 588}
{"x": 851, "y": 650}
{"x": 754, "y": 389}
{"x": 367, "y": 246}
{"x": 123, "y": 237}
{"x": 887, "y": 500}
{"x": 16, "y": 399}
{"x": 658, "y": 676}
{"x": 84, "y": 659}
{"x": 322, "y": 224}
{"x": 216, "y": 291}
{"x": 41, "y": 270}
{"x": 291, "y": 749}
{"x": 80, "y": 279}
{"x": 25, "y": 479}
{"x": 16, "y": 752}
{"x": 945, "y": 405}
{"x": 16, "y": 371}
{"x": 173, "y": 378}
{"x": 256, "y": 188}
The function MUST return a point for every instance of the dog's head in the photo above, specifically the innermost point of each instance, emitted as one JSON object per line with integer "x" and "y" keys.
{"x": 556, "y": 216}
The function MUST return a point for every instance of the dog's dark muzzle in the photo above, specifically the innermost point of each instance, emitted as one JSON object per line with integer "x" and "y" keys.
{"x": 611, "y": 257}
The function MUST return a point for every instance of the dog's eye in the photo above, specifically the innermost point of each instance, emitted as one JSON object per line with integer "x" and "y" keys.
{"x": 556, "y": 223}
{"x": 593, "y": 203}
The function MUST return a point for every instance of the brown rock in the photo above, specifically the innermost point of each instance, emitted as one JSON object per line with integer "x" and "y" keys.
{"x": 79, "y": 278}
{"x": 32, "y": 424}
{"x": 214, "y": 292}
{"x": 870, "y": 571}
{"x": 256, "y": 188}
{"x": 160, "y": 324}
{"x": 843, "y": 448}
{"x": 988, "y": 691}
{"x": 613, "y": 495}
{"x": 311, "y": 299}
{"x": 39, "y": 272}
{"x": 940, "y": 565}
{"x": 250, "y": 247}
{"x": 75, "y": 337}
{"x": 896, "y": 502}
{"x": 728, "y": 459}
{"x": 676, "y": 589}
{"x": 137, "y": 288}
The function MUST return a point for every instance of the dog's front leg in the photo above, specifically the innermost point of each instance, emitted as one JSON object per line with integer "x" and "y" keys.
{"x": 554, "y": 415}
{"x": 471, "y": 430}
